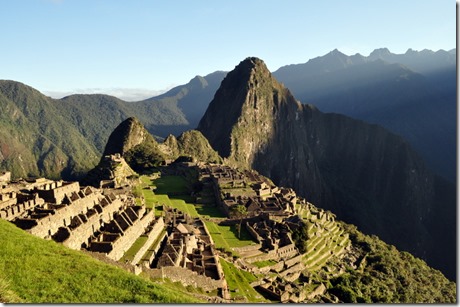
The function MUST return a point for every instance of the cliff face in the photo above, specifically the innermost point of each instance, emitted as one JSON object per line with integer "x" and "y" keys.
{"x": 363, "y": 173}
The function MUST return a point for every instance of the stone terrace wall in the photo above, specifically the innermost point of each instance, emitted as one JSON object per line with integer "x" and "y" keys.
{"x": 7, "y": 199}
{"x": 83, "y": 232}
{"x": 62, "y": 217}
{"x": 13, "y": 211}
{"x": 55, "y": 192}
{"x": 122, "y": 244}
{"x": 187, "y": 277}
{"x": 152, "y": 236}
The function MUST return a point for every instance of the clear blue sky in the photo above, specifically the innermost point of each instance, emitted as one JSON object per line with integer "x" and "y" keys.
{"x": 146, "y": 45}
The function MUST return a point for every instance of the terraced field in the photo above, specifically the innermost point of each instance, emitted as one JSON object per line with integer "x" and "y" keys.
{"x": 327, "y": 239}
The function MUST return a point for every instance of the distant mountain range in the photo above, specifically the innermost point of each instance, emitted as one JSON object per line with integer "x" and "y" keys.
{"x": 411, "y": 94}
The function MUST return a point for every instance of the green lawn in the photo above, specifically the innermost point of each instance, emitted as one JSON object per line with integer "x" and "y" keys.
{"x": 131, "y": 252}
{"x": 264, "y": 263}
{"x": 239, "y": 283}
{"x": 226, "y": 237}
{"x": 33, "y": 270}
{"x": 171, "y": 184}
{"x": 209, "y": 210}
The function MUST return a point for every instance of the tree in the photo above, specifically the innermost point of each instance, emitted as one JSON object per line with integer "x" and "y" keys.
{"x": 239, "y": 211}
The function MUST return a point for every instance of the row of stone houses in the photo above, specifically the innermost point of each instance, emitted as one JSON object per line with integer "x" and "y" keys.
{"x": 78, "y": 217}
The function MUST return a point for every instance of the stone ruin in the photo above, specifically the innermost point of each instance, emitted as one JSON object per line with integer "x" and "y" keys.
{"x": 188, "y": 253}
{"x": 76, "y": 217}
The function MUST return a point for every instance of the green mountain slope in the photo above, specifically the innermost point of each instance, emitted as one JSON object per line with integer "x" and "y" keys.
{"x": 386, "y": 275}
{"x": 33, "y": 270}
{"x": 37, "y": 139}
{"x": 141, "y": 151}
{"x": 41, "y": 136}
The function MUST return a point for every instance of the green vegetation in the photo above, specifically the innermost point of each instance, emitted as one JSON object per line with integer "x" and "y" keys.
{"x": 193, "y": 144}
{"x": 144, "y": 156}
{"x": 239, "y": 283}
{"x": 66, "y": 137}
{"x": 226, "y": 237}
{"x": 390, "y": 276}
{"x": 132, "y": 251}
{"x": 209, "y": 210}
{"x": 264, "y": 263}
{"x": 171, "y": 184}
{"x": 34, "y": 270}
{"x": 36, "y": 137}
{"x": 300, "y": 236}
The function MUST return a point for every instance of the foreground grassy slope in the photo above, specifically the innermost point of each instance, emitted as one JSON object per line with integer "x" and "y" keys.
{"x": 34, "y": 270}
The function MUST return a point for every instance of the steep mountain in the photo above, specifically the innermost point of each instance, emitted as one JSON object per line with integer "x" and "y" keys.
{"x": 190, "y": 143}
{"x": 413, "y": 95}
{"x": 133, "y": 142}
{"x": 141, "y": 151}
{"x": 366, "y": 175}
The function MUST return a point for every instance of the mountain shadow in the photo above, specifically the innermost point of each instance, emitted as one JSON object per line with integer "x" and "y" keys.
{"x": 365, "y": 174}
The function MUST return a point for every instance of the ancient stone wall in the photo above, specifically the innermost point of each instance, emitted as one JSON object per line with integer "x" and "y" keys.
{"x": 247, "y": 248}
{"x": 254, "y": 233}
{"x": 295, "y": 268}
{"x": 187, "y": 277}
{"x": 287, "y": 251}
{"x": 152, "y": 236}
{"x": 54, "y": 192}
{"x": 124, "y": 242}
{"x": 83, "y": 232}
{"x": 62, "y": 217}
{"x": 147, "y": 262}
{"x": 13, "y": 211}
{"x": 293, "y": 260}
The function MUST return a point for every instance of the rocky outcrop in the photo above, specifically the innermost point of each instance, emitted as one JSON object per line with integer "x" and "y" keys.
{"x": 363, "y": 173}
{"x": 127, "y": 135}
{"x": 132, "y": 148}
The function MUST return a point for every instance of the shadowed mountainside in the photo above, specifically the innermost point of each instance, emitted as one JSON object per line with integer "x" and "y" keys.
{"x": 411, "y": 94}
{"x": 365, "y": 174}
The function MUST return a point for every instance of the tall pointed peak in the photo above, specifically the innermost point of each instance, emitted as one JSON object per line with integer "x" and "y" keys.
{"x": 336, "y": 52}
{"x": 127, "y": 135}
{"x": 249, "y": 66}
{"x": 247, "y": 100}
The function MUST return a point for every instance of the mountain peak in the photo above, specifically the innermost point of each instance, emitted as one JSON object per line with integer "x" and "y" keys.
{"x": 250, "y": 65}
{"x": 336, "y": 52}
{"x": 381, "y": 51}
{"x": 248, "y": 99}
{"x": 126, "y": 135}
{"x": 198, "y": 82}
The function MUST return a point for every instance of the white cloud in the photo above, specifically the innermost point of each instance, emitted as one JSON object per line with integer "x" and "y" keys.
{"x": 126, "y": 94}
